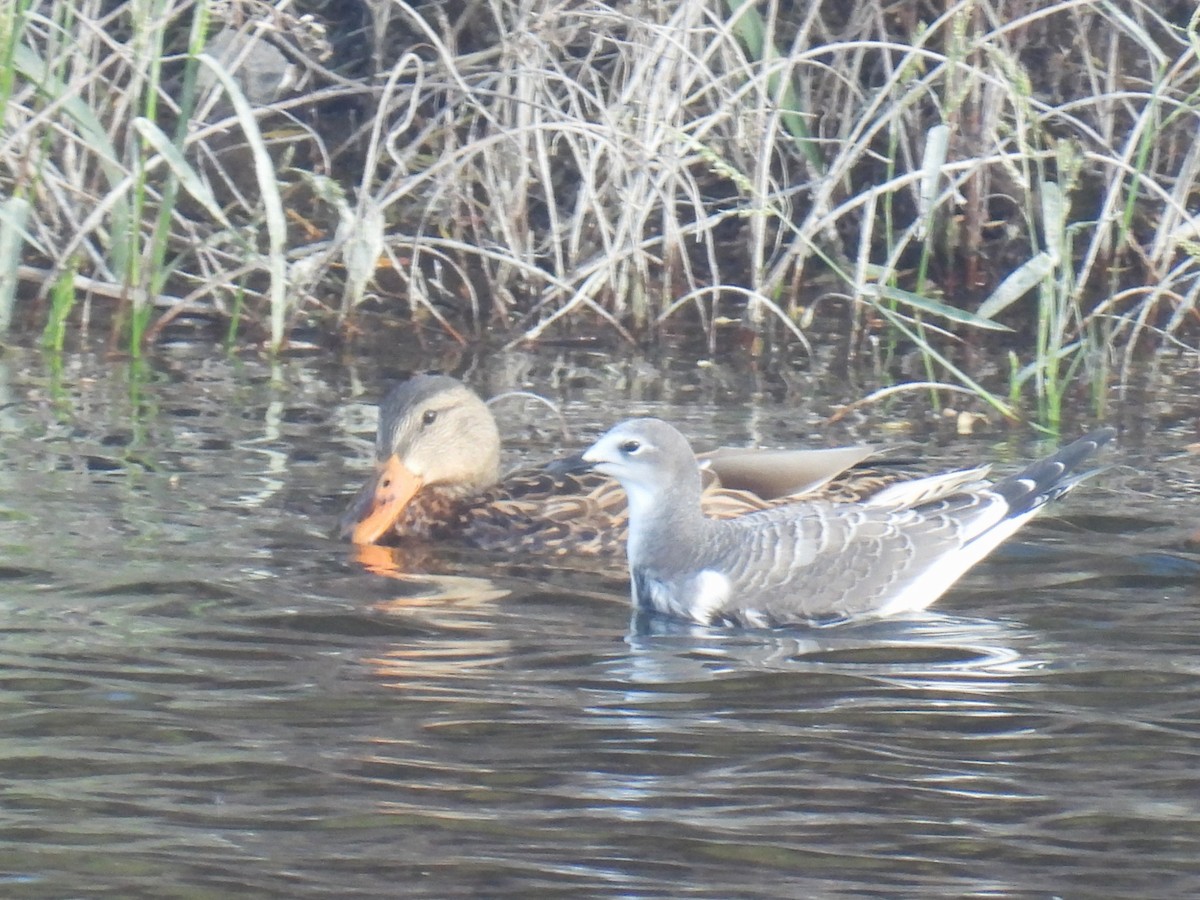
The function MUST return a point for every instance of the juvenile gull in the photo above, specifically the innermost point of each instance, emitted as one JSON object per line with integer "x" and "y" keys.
{"x": 814, "y": 562}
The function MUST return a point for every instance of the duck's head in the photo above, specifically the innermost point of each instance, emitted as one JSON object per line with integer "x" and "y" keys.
{"x": 651, "y": 460}
{"x": 434, "y": 432}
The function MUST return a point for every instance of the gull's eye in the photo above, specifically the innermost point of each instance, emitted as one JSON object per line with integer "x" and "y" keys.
{"x": 630, "y": 447}
{"x": 429, "y": 417}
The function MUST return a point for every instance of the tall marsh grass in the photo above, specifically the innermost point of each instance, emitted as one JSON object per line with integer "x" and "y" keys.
{"x": 515, "y": 171}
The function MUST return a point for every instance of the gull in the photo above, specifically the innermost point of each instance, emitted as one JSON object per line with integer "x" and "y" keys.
{"x": 812, "y": 562}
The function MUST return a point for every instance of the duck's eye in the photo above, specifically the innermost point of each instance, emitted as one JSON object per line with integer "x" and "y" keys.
{"x": 630, "y": 447}
{"x": 429, "y": 417}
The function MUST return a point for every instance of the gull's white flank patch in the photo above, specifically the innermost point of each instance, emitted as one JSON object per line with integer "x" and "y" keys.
{"x": 711, "y": 593}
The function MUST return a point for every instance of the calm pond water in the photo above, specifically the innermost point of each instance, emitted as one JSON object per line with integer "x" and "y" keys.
{"x": 204, "y": 695}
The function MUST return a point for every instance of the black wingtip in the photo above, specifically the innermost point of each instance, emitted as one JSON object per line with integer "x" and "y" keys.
{"x": 1049, "y": 478}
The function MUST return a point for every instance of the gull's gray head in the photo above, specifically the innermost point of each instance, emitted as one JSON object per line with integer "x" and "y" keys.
{"x": 651, "y": 460}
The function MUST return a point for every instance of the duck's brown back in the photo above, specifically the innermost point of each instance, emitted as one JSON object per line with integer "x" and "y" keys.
{"x": 537, "y": 511}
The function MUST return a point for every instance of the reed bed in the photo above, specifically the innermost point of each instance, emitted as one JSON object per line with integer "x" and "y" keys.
{"x": 934, "y": 178}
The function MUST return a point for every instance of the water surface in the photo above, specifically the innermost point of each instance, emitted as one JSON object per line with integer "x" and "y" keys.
{"x": 202, "y": 693}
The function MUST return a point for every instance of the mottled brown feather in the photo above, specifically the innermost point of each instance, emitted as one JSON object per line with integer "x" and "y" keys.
{"x": 537, "y": 510}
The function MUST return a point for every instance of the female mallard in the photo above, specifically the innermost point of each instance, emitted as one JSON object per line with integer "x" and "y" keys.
{"x": 437, "y": 478}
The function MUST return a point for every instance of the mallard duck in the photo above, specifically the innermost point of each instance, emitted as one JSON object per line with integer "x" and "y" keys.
{"x": 813, "y": 561}
{"x": 437, "y": 478}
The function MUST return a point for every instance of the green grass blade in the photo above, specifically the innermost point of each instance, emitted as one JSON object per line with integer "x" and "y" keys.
{"x": 1017, "y": 284}
{"x": 936, "y": 308}
{"x": 747, "y": 24}
{"x": 188, "y": 177}
{"x": 264, "y": 169}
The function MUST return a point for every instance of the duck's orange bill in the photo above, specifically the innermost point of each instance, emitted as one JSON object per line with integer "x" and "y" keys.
{"x": 382, "y": 500}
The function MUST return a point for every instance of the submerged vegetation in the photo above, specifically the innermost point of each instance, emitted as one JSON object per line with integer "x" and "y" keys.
{"x": 928, "y": 174}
